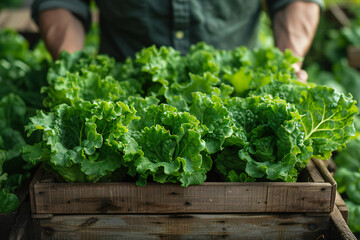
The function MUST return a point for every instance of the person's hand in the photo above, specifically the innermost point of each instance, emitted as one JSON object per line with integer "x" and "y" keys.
{"x": 300, "y": 73}
{"x": 61, "y": 30}
{"x": 294, "y": 28}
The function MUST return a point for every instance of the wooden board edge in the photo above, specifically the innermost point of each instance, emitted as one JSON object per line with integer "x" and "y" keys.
{"x": 340, "y": 203}
{"x": 182, "y": 226}
{"x": 339, "y": 229}
{"x": 37, "y": 176}
{"x": 328, "y": 178}
{"x": 314, "y": 173}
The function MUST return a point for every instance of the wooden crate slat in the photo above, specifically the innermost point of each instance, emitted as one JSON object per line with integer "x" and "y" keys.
{"x": 339, "y": 229}
{"x": 168, "y": 198}
{"x": 320, "y": 165}
{"x": 341, "y": 205}
{"x": 209, "y": 197}
{"x": 189, "y": 226}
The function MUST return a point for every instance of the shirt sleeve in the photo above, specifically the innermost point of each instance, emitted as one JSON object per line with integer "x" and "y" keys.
{"x": 275, "y": 5}
{"x": 80, "y": 9}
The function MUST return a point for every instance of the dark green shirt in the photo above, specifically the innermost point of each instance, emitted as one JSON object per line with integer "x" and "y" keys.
{"x": 126, "y": 26}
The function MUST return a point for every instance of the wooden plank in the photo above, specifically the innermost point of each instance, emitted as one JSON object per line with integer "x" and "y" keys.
{"x": 37, "y": 177}
{"x": 314, "y": 173}
{"x": 210, "y": 197}
{"x": 341, "y": 205}
{"x": 77, "y": 198}
{"x": 339, "y": 230}
{"x": 186, "y": 226}
{"x": 320, "y": 165}
{"x": 353, "y": 56}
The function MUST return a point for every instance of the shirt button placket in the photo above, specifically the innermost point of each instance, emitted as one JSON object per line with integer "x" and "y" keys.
{"x": 181, "y": 21}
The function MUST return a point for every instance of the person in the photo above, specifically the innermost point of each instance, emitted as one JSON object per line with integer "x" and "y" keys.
{"x": 126, "y": 26}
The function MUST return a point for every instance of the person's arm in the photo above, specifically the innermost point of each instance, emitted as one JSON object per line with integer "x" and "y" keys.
{"x": 61, "y": 30}
{"x": 294, "y": 28}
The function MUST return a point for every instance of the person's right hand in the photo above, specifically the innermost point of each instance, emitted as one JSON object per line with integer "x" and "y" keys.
{"x": 300, "y": 73}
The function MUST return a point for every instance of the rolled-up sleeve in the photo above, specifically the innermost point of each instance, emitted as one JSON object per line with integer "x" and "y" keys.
{"x": 79, "y": 8}
{"x": 275, "y": 5}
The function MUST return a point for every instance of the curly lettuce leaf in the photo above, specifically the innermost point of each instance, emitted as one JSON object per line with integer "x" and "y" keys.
{"x": 231, "y": 167}
{"x": 86, "y": 138}
{"x": 327, "y": 116}
{"x": 183, "y": 91}
{"x": 275, "y": 145}
{"x": 215, "y": 118}
{"x": 79, "y": 76}
{"x": 9, "y": 202}
{"x": 327, "y": 119}
{"x": 171, "y": 144}
{"x": 167, "y": 159}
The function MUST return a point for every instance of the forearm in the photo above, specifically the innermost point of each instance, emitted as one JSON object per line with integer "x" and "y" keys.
{"x": 295, "y": 26}
{"x": 61, "y": 30}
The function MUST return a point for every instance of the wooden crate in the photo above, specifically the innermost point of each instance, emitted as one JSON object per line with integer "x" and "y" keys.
{"x": 271, "y": 210}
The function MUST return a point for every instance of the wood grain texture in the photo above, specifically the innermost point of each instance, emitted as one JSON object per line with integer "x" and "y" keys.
{"x": 186, "y": 226}
{"x": 339, "y": 229}
{"x": 341, "y": 205}
{"x": 37, "y": 177}
{"x": 65, "y": 198}
{"x": 321, "y": 167}
{"x": 209, "y": 197}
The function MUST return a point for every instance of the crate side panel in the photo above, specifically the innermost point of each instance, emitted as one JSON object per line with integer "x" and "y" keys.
{"x": 307, "y": 197}
{"x": 195, "y": 226}
{"x": 170, "y": 198}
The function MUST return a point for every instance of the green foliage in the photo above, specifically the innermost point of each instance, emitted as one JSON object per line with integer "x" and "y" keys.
{"x": 354, "y": 216}
{"x": 274, "y": 146}
{"x": 171, "y": 144}
{"x": 22, "y": 71}
{"x": 348, "y": 179}
{"x": 349, "y": 182}
{"x": 164, "y": 117}
{"x": 84, "y": 142}
{"x": 349, "y": 157}
{"x": 82, "y": 76}
{"x": 9, "y": 202}
{"x": 13, "y": 116}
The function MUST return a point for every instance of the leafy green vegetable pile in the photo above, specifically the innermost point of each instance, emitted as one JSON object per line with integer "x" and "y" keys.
{"x": 166, "y": 117}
